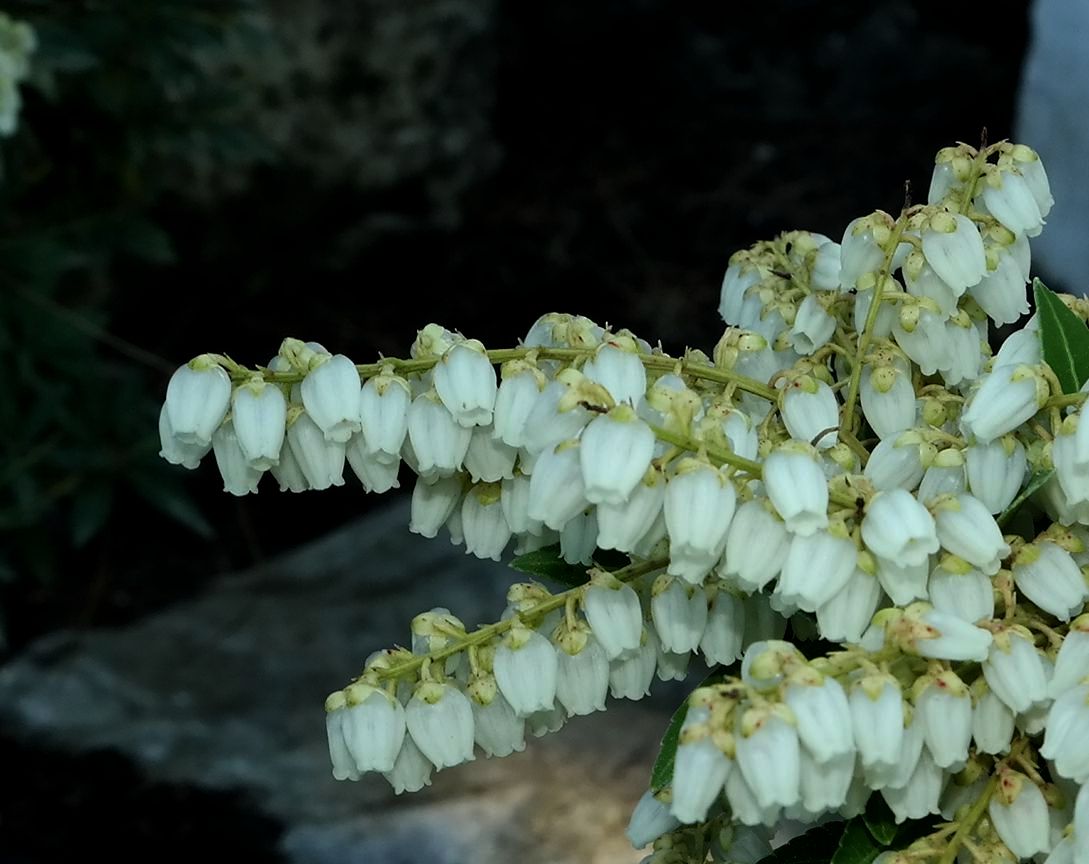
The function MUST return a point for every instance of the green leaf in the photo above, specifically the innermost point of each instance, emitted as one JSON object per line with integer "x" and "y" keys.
{"x": 856, "y": 846}
{"x": 548, "y": 564}
{"x": 172, "y": 500}
{"x": 661, "y": 774}
{"x": 90, "y": 509}
{"x": 816, "y": 846}
{"x": 1064, "y": 339}
{"x": 880, "y": 821}
{"x": 1035, "y": 483}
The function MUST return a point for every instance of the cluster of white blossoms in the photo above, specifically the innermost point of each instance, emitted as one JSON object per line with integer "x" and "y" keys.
{"x": 17, "y": 43}
{"x": 846, "y": 461}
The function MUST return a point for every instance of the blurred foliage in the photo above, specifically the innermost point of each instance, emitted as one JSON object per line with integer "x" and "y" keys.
{"x": 125, "y": 103}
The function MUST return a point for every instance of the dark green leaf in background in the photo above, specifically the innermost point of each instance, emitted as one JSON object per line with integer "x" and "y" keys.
{"x": 662, "y": 773}
{"x": 547, "y": 564}
{"x": 856, "y": 844}
{"x": 1036, "y": 482}
{"x": 1063, "y": 337}
{"x": 880, "y": 821}
{"x": 815, "y": 846}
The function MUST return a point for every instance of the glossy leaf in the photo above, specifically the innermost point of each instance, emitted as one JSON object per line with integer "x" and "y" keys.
{"x": 1036, "y": 482}
{"x": 1064, "y": 339}
{"x": 856, "y": 844}
{"x": 816, "y": 846}
{"x": 547, "y": 564}
{"x": 880, "y": 821}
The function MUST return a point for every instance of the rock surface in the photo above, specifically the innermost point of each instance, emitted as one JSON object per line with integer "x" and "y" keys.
{"x": 225, "y": 692}
{"x": 1053, "y": 118}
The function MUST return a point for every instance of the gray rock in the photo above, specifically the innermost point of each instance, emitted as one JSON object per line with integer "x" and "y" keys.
{"x": 226, "y": 692}
{"x": 1053, "y": 118}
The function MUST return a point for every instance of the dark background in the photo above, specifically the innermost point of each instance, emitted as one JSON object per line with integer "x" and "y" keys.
{"x": 194, "y": 177}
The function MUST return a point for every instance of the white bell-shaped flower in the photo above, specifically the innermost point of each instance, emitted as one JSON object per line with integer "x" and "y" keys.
{"x": 649, "y": 821}
{"x": 679, "y": 612}
{"x": 438, "y": 440}
{"x": 944, "y": 476}
{"x": 845, "y": 617}
{"x": 373, "y": 470}
{"x": 556, "y": 491}
{"x": 514, "y": 498}
{"x": 412, "y": 770}
{"x": 812, "y": 327}
{"x": 896, "y": 526}
{"x": 911, "y": 750}
{"x": 824, "y": 785}
{"x": 432, "y": 504}
{"x": 489, "y": 460}
{"x": 795, "y": 483}
{"x": 615, "y": 452}
{"x": 957, "y": 588}
{"x": 551, "y": 420}
{"x": 497, "y": 729}
{"x": 238, "y": 477}
{"x": 744, "y": 807}
{"x": 767, "y": 754}
{"x": 992, "y": 721}
{"x": 330, "y": 394}
{"x": 374, "y": 727}
{"x": 1072, "y": 661}
{"x": 320, "y": 460}
{"x": 1015, "y": 672}
{"x": 822, "y": 714}
{"x": 1019, "y": 814}
{"x": 888, "y": 400}
{"x": 860, "y": 250}
{"x": 1006, "y": 397}
{"x": 944, "y": 707}
{"x": 810, "y": 412}
{"x": 902, "y": 582}
{"x": 1001, "y": 292}
{"x": 816, "y": 568}
{"x": 996, "y": 471}
{"x": 259, "y": 416}
{"x": 383, "y": 415}
{"x": 613, "y": 612}
{"x": 740, "y": 276}
{"x": 483, "y": 525}
{"x": 724, "y": 631}
{"x": 953, "y": 247}
{"x": 174, "y": 451}
{"x": 1065, "y": 741}
{"x": 525, "y": 670}
{"x": 631, "y": 674}
{"x": 622, "y": 526}
{"x": 897, "y": 462}
{"x": 440, "y": 720}
{"x": 620, "y": 371}
{"x": 700, "y": 769}
{"x": 920, "y": 332}
{"x": 517, "y": 394}
{"x": 877, "y": 720}
{"x": 578, "y": 539}
{"x": 1048, "y": 576}
{"x": 921, "y": 281}
{"x": 943, "y": 636}
{"x": 465, "y": 381}
{"x": 919, "y": 797}
{"x": 288, "y": 472}
{"x": 756, "y": 546}
{"x": 699, "y": 504}
{"x": 582, "y": 678}
{"x": 197, "y": 398}
{"x": 1009, "y": 199}
{"x": 339, "y": 754}
{"x": 967, "y": 528}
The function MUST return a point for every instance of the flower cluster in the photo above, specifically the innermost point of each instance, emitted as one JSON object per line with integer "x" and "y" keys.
{"x": 846, "y": 461}
{"x": 17, "y": 43}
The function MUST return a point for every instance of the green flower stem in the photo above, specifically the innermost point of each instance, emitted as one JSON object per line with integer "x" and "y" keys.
{"x": 725, "y": 457}
{"x": 486, "y": 634}
{"x": 1066, "y": 400}
{"x": 970, "y": 820}
{"x": 866, "y": 336}
{"x": 659, "y": 362}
